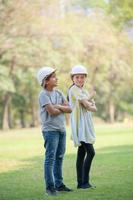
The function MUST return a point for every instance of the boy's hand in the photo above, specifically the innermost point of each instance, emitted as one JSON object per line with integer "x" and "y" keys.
{"x": 57, "y": 106}
{"x": 52, "y": 110}
{"x": 63, "y": 107}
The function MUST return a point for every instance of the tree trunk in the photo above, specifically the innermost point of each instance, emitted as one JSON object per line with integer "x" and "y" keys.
{"x": 6, "y": 101}
{"x": 10, "y": 123}
{"x": 22, "y": 119}
{"x": 34, "y": 114}
{"x": 111, "y": 112}
{"x": 93, "y": 77}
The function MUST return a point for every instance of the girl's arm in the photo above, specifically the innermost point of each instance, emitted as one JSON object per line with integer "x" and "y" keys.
{"x": 88, "y": 105}
{"x": 91, "y": 95}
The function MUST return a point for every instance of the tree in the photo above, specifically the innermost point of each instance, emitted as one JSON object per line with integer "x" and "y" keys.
{"x": 16, "y": 23}
{"x": 33, "y": 36}
{"x": 123, "y": 10}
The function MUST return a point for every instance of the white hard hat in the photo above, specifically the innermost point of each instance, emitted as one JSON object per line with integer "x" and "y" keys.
{"x": 43, "y": 73}
{"x": 78, "y": 69}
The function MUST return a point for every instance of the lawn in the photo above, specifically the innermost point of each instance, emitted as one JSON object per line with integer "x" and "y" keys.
{"x": 21, "y": 165}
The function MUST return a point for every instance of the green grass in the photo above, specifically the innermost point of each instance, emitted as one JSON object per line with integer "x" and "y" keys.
{"x": 21, "y": 165}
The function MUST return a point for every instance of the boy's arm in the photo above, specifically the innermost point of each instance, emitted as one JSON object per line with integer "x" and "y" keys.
{"x": 63, "y": 107}
{"x": 89, "y": 106}
{"x": 52, "y": 110}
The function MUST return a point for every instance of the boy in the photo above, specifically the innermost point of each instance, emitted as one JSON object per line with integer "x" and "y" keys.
{"x": 52, "y": 108}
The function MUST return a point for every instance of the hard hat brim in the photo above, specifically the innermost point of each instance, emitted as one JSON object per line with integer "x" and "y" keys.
{"x": 50, "y": 74}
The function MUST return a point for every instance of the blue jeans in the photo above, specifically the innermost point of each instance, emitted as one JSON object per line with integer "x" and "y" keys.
{"x": 55, "y": 144}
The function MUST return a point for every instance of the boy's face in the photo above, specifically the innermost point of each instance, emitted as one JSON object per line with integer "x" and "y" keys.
{"x": 52, "y": 81}
{"x": 79, "y": 79}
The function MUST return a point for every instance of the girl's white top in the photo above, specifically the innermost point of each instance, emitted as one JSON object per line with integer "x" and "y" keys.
{"x": 81, "y": 119}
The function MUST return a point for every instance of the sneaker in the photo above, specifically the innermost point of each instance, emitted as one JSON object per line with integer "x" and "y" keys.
{"x": 88, "y": 185}
{"x": 63, "y": 188}
{"x": 51, "y": 192}
{"x": 79, "y": 186}
{"x": 93, "y": 187}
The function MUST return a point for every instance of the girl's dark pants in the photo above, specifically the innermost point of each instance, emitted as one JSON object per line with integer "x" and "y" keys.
{"x": 85, "y": 156}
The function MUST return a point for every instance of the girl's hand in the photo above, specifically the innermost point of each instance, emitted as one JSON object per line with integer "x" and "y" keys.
{"x": 89, "y": 105}
{"x": 92, "y": 102}
{"x": 92, "y": 94}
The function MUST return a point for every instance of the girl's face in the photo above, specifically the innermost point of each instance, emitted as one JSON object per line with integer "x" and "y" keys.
{"x": 79, "y": 79}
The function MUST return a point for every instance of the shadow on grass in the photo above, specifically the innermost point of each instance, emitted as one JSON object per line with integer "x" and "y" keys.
{"x": 111, "y": 171}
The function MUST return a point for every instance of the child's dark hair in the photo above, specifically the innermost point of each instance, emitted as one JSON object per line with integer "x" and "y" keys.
{"x": 47, "y": 78}
{"x": 68, "y": 92}
{"x": 71, "y": 86}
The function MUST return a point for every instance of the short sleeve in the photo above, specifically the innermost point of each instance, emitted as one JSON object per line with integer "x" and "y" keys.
{"x": 62, "y": 96}
{"x": 77, "y": 94}
{"x": 43, "y": 99}
{"x": 81, "y": 96}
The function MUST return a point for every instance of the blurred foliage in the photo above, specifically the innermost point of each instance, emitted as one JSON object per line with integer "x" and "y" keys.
{"x": 91, "y": 3}
{"x": 32, "y": 35}
{"x": 123, "y": 10}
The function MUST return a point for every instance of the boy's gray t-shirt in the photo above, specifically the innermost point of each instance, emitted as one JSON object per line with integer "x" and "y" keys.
{"x": 51, "y": 122}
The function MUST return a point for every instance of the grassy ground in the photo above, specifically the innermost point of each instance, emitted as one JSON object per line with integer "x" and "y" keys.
{"x": 21, "y": 165}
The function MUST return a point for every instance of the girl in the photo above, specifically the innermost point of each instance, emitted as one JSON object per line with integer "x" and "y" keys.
{"x": 83, "y": 134}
